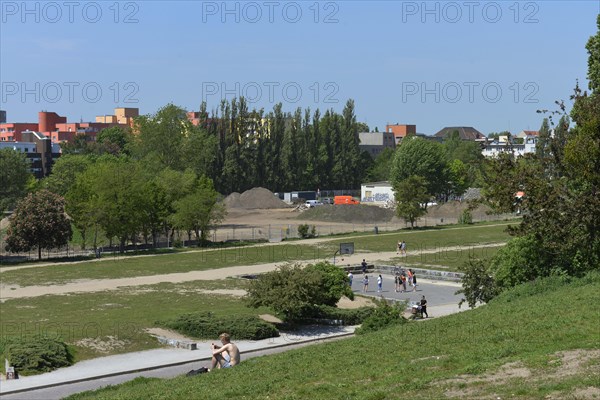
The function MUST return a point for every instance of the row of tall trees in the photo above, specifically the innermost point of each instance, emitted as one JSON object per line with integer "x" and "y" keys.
{"x": 239, "y": 148}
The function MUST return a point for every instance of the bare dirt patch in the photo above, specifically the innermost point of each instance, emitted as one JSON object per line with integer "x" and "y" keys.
{"x": 102, "y": 345}
{"x": 168, "y": 334}
{"x": 358, "y": 302}
{"x": 270, "y": 318}
{"x": 569, "y": 363}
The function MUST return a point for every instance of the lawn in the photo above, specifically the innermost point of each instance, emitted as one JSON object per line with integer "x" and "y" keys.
{"x": 448, "y": 259}
{"x": 204, "y": 259}
{"x": 116, "y": 320}
{"x": 530, "y": 343}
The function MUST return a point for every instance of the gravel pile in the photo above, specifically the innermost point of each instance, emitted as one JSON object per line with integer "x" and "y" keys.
{"x": 255, "y": 198}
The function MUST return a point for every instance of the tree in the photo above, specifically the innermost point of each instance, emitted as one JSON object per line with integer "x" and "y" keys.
{"x": 561, "y": 185}
{"x": 65, "y": 171}
{"x": 297, "y": 292}
{"x": 424, "y": 158}
{"x": 381, "y": 167}
{"x": 411, "y": 198}
{"x": 14, "y": 176}
{"x": 114, "y": 140}
{"x": 199, "y": 210}
{"x": 38, "y": 221}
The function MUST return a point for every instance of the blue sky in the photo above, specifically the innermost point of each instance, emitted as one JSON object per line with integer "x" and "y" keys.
{"x": 489, "y": 65}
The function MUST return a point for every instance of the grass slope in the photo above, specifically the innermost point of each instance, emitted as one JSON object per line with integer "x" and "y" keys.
{"x": 539, "y": 340}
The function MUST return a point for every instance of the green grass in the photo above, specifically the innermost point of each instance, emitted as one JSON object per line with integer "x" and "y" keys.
{"x": 528, "y": 325}
{"x": 449, "y": 259}
{"x": 204, "y": 259}
{"x": 123, "y": 314}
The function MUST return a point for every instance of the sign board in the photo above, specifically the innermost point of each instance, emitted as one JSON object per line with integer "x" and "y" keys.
{"x": 347, "y": 248}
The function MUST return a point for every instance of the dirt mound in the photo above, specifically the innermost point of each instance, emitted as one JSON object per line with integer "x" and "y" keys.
{"x": 255, "y": 198}
{"x": 232, "y": 201}
{"x": 351, "y": 213}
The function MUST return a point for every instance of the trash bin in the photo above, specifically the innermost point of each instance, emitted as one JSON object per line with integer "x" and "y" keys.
{"x": 376, "y": 230}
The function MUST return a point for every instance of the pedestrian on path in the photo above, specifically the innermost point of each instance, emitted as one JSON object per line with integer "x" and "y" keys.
{"x": 414, "y": 282}
{"x": 403, "y": 279}
{"x": 364, "y": 266}
{"x": 410, "y": 276}
{"x": 366, "y": 283}
{"x": 403, "y": 247}
{"x": 379, "y": 283}
{"x": 424, "y": 307}
{"x": 399, "y": 247}
{"x": 350, "y": 278}
{"x": 397, "y": 282}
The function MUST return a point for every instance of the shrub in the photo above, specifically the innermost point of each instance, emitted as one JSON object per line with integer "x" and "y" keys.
{"x": 306, "y": 232}
{"x": 383, "y": 316}
{"x": 465, "y": 218}
{"x": 478, "y": 285}
{"x": 208, "y": 326}
{"x": 296, "y": 292}
{"x": 35, "y": 354}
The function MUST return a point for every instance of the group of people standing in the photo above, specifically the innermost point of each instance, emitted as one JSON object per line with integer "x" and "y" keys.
{"x": 404, "y": 278}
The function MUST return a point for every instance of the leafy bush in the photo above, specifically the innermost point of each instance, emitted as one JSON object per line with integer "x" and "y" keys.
{"x": 208, "y": 326}
{"x": 465, "y": 218}
{"x": 305, "y": 233}
{"x": 296, "y": 292}
{"x": 35, "y": 354}
{"x": 521, "y": 260}
{"x": 383, "y": 316}
{"x": 478, "y": 285}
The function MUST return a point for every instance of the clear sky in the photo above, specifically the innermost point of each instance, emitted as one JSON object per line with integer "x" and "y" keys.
{"x": 489, "y": 65}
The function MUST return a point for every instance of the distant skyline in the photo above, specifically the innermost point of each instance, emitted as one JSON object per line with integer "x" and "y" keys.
{"x": 489, "y": 65}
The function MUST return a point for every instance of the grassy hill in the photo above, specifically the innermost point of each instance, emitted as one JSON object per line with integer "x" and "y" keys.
{"x": 538, "y": 341}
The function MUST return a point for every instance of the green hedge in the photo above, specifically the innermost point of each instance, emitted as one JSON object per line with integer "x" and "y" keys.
{"x": 206, "y": 325}
{"x": 385, "y": 315}
{"x": 35, "y": 354}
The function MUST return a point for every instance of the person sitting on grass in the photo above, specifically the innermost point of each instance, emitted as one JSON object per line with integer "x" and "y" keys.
{"x": 225, "y": 356}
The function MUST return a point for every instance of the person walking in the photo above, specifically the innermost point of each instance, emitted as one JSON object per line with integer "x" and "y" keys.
{"x": 403, "y": 247}
{"x": 409, "y": 277}
{"x": 350, "y": 278}
{"x": 414, "y": 282}
{"x": 403, "y": 279}
{"x": 397, "y": 282}
{"x": 399, "y": 247}
{"x": 366, "y": 283}
{"x": 379, "y": 283}
{"x": 424, "y": 307}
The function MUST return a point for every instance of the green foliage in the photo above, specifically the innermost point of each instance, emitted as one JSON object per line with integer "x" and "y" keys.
{"x": 478, "y": 284}
{"x": 423, "y": 158}
{"x": 206, "y": 325}
{"x": 521, "y": 260}
{"x": 411, "y": 198}
{"x": 383, "y": 316}
{"x": 381, "y": 167}
{"x": 35, "y": 354}
{"x": 295, "y": 292}
{"x": 333, "y": 285}
{"x": 13, "y": 178}
{"x": 39, "y": 221}
{"x": 306, "y": 232}
{"x": 466, "y": 217}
